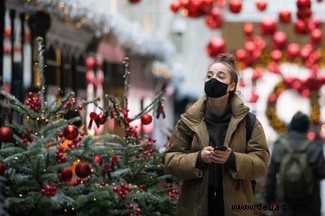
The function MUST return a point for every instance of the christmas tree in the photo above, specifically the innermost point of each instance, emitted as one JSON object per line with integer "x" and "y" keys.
{"x": 52, "y": 167}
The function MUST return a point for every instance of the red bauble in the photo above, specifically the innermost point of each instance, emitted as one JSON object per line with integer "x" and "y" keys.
{"x": 279, "y": 39}
{"x": 99, "y": 159}
{"x": 316, "y": 35}
{"x": 268, "y": 26}
{"x": 303, "y": 4}
{"x": 66, "y": 174}
{"x": 206, "y": 6}
{"x": 2, "y": 168}
{"x": 301, "y": 27}
{"x": 240, "y": 54}
{"x": 261, "y": 5}
{"x": 83, "y": 170}
{"x": 194, "y": 9}
{"x": 248, "y": 29}
{"x": 70, "y": 132}
{"x": 134, "y": 1}
{"x": 101, "y": 118}
{"x": 276, "y": 55}
{"x": 215, "y": 47}
{"x": 214, "y": 19}
{"x": 249, "y": 46}
{"x": 146, "y": 119}
{"x": 235, "y": 6}
{"x": 285, "y": 16}
{"x": 175, "y": 5}
{"x": 293, "y": 50}
{"x": 6, "y": 134}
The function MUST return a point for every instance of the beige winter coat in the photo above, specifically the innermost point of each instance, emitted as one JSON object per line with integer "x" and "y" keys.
{"x": 190, "y": 135}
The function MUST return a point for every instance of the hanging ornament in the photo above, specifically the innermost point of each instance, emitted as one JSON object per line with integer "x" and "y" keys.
{"x": 83, "y": 170}
{"x": 146, "y": 119}
{"x": 2, "y": 168}
{"x": 293, "y": 50}
{"x": 276, "y": 55}
{"x": 214, "y": 19}
{"x": 174, "y": 6}
{"x": 193, "y": 9}
{"x": 66, "y": 174}
{"x": 240, "y": 54}
{"x": 248, "y": 29}
{"x": 303, "y": 4}
{"x": 268, "y": 26}
{"x": 160, "y": 110}
{"x": 6, "y": 134}
{"x": 206, "y": 6}
{"x": 301, "y": 27}
{"x": 101, "y": 118}
{"x": 285, "y": 16}
{"x": 316, "y": 36}
{"x": 98, "y": 159}
{"x": 215, "y": 46}
{"x": 70, "y": 132}
{"x": 49, "y": 190}
{"x": 93, "y": 117}
{"x": 235, "y": 6}
{"x": 261, "y": 5}
{"x": 279, "y": 40}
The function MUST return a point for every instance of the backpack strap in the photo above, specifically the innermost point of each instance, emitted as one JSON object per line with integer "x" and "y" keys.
{"x": 285, "y": 143}
{"x": 250, "y": 122}
{"x": 303, "y": 147}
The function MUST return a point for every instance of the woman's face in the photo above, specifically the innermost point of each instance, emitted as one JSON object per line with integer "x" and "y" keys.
{"x": 220, "y": 72}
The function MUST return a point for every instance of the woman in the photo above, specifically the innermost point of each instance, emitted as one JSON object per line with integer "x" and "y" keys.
{"x": 217, "y": 182}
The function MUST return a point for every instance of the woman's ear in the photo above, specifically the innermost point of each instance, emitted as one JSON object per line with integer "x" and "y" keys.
{"x": 232, "y": 86}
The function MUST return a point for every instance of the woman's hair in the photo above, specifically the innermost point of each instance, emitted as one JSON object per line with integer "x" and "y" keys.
{"x": 229, "y": 60}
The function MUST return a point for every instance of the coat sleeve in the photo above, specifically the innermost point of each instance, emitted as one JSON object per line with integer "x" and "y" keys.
{"x": 180, "y": 159}
{"x": 316, "y": 159}
{"x": 253, "y": 163}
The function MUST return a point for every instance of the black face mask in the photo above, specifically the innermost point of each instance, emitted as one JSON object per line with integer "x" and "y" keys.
{"x": 214, "y": 88}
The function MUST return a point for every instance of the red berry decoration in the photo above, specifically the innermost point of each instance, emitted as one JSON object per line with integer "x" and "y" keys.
{"x": 6, "y": 134}
{"x": 146, "y": 119}
{"x": 2, "y": 168}
{"x": 99, "y": 159}
{"x": 83, "y": 170}
{"x": 66, "y": 174}
{"x": 70, "y": 132}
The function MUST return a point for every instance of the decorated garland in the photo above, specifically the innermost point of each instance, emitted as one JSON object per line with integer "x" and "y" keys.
{"x": 308, "y": 88}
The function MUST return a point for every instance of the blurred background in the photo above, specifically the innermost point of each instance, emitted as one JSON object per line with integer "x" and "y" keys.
{"x": 279, "y": 46}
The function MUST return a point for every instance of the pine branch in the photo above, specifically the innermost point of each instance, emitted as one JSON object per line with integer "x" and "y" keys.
{"x": 148, "y": 108}
{"x": 41, "y": 65}
{"x": 126, "y": 82}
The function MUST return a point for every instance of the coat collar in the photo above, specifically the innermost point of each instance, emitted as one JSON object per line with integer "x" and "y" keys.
{"x": 195, "y": 114}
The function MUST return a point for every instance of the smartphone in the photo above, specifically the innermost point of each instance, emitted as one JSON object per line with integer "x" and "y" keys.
{"x": 222, "y": 148}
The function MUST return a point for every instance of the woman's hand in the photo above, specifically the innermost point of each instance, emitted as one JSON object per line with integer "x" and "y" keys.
{"x": 206, "y": 154}
{"x": 210, "y": 155}
{"x": 219, "y": 156}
